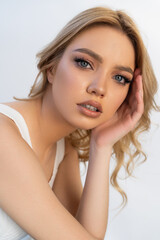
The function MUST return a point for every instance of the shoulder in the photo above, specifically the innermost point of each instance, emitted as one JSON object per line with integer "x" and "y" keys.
{"x": 8, "y": 126}
{"x": 12, "y": 143}
{"x": 6, "y": 123}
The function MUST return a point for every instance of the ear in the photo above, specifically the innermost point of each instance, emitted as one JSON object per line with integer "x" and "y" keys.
{"x": 50, "y": 75}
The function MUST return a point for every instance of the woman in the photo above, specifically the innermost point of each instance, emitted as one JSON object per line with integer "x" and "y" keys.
{"x": 90, "y": 103}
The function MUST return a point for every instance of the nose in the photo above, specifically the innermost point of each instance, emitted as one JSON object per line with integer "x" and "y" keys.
{"x": 97, "y": 87}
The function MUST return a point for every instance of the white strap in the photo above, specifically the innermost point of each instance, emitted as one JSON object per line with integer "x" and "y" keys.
{"x": 22, "y": 126}
{"x": 19, "y": 121}
{"x": 60, "y": 151}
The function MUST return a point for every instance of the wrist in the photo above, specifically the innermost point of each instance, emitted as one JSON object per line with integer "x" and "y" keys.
{"x": 100, "y": 147}
{"x": 100, "y": 151}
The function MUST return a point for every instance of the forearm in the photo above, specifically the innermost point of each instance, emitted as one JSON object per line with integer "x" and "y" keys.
{"x": 93, "y": 208}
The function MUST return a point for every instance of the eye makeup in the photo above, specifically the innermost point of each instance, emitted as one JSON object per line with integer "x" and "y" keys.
{"x": 83, "y": 63}
{"x": 121, "y": 79}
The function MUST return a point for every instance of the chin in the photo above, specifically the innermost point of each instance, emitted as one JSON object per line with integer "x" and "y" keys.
{"x": 82, "y": 122}
{"x": 85, "y": 126}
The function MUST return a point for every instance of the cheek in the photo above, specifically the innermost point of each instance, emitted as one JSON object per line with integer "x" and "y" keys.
{"x": 67, "y": 79}
{"x": 115, "y": 101}
{"x": 66, "y": 87}
{"x": 118, "y": 103}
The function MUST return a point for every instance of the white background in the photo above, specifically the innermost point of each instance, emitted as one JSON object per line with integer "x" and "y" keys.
{"x": 25, "y": 28}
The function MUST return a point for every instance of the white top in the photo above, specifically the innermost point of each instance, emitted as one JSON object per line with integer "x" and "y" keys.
{"x": 9, "y": 230}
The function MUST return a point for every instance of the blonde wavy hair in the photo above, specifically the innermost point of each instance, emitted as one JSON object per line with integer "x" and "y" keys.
{"x": 126, "y": 151}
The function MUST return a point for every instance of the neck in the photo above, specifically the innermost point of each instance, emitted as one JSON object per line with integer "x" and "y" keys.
{"x": 51, "y": 124}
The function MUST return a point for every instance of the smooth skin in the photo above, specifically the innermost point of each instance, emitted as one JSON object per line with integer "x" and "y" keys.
{"x": 67, "y": 211}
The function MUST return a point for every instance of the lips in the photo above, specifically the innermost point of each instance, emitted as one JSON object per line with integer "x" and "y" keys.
{"x": 93, "y": 104}
{"x": 90, "y": 109}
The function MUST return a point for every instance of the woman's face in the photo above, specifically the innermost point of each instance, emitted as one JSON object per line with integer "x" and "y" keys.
{"x": 93, "y": 77}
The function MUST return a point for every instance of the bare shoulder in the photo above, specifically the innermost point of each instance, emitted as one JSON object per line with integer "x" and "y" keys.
{"x": 11, "y": 138}
{"x": 25, "y": 194}
{"x": 16, "y": 156}
{"x": 8, "y": 126}
{"x": 15, "y": 153}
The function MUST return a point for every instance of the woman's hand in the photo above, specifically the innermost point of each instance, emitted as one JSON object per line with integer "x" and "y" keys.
{"x": 124, "y": 120}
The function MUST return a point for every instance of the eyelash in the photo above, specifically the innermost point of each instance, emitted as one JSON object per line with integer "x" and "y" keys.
{"x": 126, "y": 80}
{"x": 80, "y": 60}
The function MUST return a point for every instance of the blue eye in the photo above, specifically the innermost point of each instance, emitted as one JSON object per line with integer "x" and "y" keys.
{"x": 82, "y": 63}
{"x": 121, "y": 79}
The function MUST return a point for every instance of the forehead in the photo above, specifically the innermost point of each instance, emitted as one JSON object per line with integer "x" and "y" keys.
{"x": 104, "y": 40}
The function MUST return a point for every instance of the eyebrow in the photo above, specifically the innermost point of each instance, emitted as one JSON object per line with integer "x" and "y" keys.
{"x": 99, "y": 59}
{"x": 90, "y": 52}
{"x": 126, "y": 69}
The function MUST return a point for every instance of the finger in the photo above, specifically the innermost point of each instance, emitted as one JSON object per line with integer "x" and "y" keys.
{"x": 139, "y": 85}
{"x": 136, "y": 86}
{"x": 137, "y": 72}
{"x": 133, "y": 87}
{"x": 138, "y": 111}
